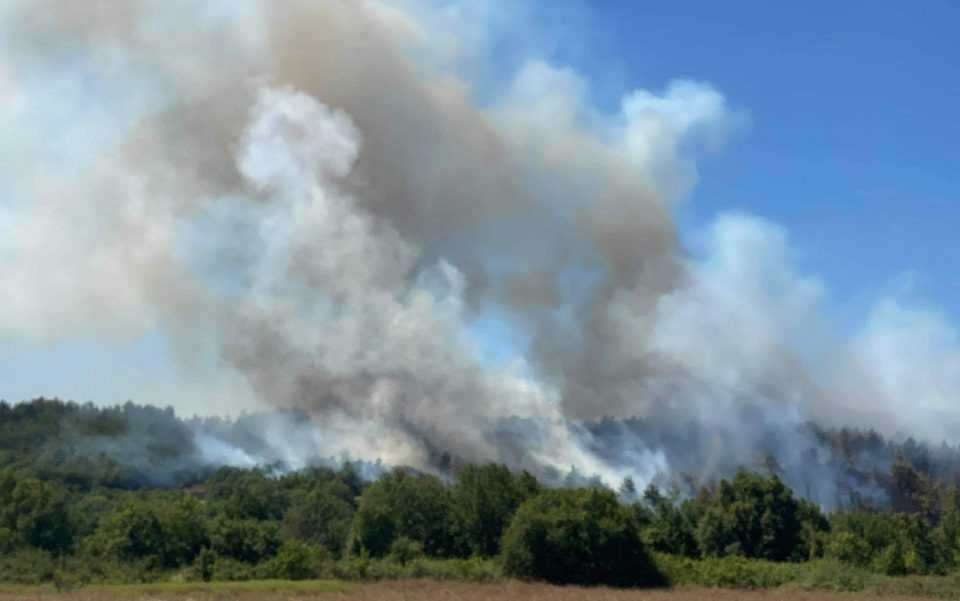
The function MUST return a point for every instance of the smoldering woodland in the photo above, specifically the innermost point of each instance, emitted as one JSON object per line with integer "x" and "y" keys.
{"x": 386, "y": 261}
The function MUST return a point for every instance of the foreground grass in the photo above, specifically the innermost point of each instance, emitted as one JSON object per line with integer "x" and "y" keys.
{"x": 822, "y": 575}
{"x": 482, "y": 580}
{"x": 181, "y": 590}
{"x": 422, "y": 590}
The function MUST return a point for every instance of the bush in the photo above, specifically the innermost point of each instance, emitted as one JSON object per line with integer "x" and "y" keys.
{"x": 577, "y": 537}
{"x": 27, "y": 566}
{"x": 726, "y": 572}
{"x": 832, "y": 575}
{"x": 849, "y": 548}
{"x": 404, "y": 550}
{"x": 295, "y": 561}
{"x": 226, "y": 569}
{"x": 742, "y": 573}
{"x": 891, "y": 561}
{"x": 203, "y": 565}
{"x": 475, "y": 569}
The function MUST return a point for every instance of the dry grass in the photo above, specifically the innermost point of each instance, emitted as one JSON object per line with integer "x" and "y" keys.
{"x": 414, "y": 590}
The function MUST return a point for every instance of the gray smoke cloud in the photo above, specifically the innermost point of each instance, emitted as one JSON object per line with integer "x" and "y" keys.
{"x": 317, "y": 194}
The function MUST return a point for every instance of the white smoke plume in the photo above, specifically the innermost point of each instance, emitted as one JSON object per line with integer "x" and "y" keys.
{"x": 316, "y": 193}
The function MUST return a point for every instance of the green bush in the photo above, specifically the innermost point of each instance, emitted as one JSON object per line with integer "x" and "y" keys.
{"x": 849, "y": 548}
{"x": 404, "y": 550}
{"x": 726, "y": 572}
{"x": 203, "y": 565}
{"x": 577, "y": 537}
{"x": 27, "y": 566}
{"x": 227, "y": 569}
{"x": 832, "y": 575}
{"x": 891, "y": 561}
{"x": 295, "y": 561}
{"x": 475, "y": 569}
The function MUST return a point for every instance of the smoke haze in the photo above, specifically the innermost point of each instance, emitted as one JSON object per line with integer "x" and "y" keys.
{"x": 317, "y": 195}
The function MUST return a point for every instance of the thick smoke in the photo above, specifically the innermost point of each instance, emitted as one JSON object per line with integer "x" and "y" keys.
{"x": 315, "y": 193}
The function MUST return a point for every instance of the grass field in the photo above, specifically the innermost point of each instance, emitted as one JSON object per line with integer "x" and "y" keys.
{"x": 417, "y": 590}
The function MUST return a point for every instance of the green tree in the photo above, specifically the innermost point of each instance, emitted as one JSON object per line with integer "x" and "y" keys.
{"x": 248, "y": 494}
{"x": 35, "y": 513}
{"x": 753, "y": 516}
{"x": 250, "y": 541}
{"x": 184, "y": 530}
{"x": 320, "y": 516}
{"x": 407, "y": 504}
{"x": 577, "y": 537}
{"x": 666, "y": 526}
{"x": 484, "y": 499}
{"x": 131, "y": 533}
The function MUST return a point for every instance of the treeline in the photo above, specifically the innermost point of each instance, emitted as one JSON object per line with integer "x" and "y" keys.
{"x": 81, "y": 517}
{"x": 244, "y": 524}
{"x": 140, "y": 446}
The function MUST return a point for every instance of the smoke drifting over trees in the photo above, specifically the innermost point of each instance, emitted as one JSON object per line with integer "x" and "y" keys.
{"x": 318, "y": 195}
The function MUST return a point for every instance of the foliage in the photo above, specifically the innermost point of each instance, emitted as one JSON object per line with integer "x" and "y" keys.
{"x": 404, "y": 550}
{"x": 577, "y": 537}
{"x": 668, "y": 526}
{"x": 247, "y": 540}
{"x": 483, "y": 499}
{"x": 754, "y": 517}
{"x": 295, "y": 561}
{"x": 33, "y": 513}
{"x": 80, "y": 503}
{"x": 891, "y": 543}
{"x": 321, "y": 516}
{"x": 403, "y": 504}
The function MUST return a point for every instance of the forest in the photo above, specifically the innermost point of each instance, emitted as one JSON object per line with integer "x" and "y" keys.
{"x": 81, "y": 501}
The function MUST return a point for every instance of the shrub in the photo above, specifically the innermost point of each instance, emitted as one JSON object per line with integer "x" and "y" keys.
{"x": 577, "y": 537}
{"x": 203, "y": 565}
{"x": 226, "y": 569}
{"x": 295, "y": 561}
{"x": 849, "y": 548}
{"x": 404, "y": 550}
{"x": 891, "y": 561}
{"x": 27, "y": 566}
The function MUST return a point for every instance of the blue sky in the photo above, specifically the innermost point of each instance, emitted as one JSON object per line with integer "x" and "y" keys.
{"x": 852, "y": 147}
